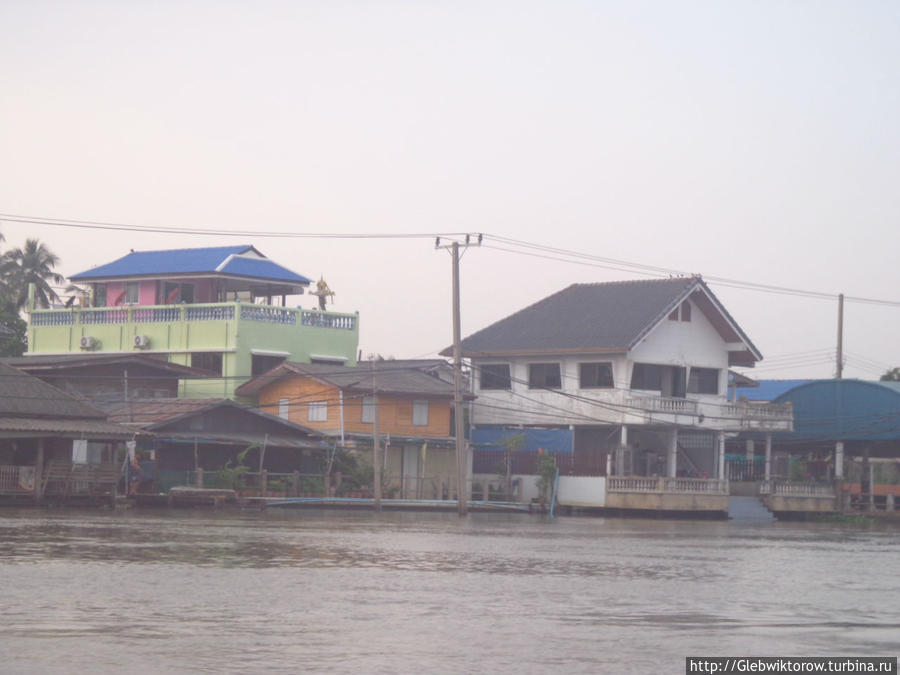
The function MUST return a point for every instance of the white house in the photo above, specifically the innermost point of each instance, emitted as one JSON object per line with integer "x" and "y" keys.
{"x": 632, "y": 376}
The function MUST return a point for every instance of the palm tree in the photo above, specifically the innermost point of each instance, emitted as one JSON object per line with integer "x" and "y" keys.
{"x": 32, "y": 264}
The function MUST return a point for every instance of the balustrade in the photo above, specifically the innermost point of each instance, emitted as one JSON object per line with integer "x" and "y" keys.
{"x": 268, "y": 314}
{"x": 706, "y": 486}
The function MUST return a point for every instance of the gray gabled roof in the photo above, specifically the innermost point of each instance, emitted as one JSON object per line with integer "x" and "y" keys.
{"x": 390, "y": 377}
{"x": 23, "y": 395}
{"x": 600, "y": 317}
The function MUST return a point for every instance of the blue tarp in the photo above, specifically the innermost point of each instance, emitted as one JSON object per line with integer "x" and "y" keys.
{"x": 549, "y": 440}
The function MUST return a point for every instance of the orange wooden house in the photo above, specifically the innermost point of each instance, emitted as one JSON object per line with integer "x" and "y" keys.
{"x": 415, "y": 423}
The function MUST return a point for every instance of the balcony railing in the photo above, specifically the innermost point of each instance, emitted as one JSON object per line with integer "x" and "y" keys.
{"x": 16, "y": 479}
{"x": 664, "y": 404}
{"x": 664, "y": 485}
{"x": 198, "y": 312}
{"x": 795, "y": 489}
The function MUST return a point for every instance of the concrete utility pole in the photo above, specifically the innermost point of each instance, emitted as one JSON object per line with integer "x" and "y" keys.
{"x": 462, "y": 458}
{"x": 376, "y": 444}
{"x": 840, "y": 338}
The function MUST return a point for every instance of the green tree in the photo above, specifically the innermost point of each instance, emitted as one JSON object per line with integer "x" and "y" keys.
{"x": 32, "y": 264}
{"x": 892, "y": 375}
{"x": 13, "y": 329}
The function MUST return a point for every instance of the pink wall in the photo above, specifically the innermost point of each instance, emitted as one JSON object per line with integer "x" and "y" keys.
{"x": 203, "y": 291}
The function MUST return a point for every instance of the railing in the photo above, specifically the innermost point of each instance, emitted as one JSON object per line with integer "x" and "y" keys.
{"x": 16, "y": 479}
{"x": 323, "y": 320}
{"x": 664, "y": 404}
{"x": 766, "y": 411}
{"x": 268, "y": 314}
{"x": 198, "y": 312}
{"x": 155, "y": 314}
{"x": 789, "y": 489}
{"x": 209, "y": 312}
{"x": 704, "y": 486}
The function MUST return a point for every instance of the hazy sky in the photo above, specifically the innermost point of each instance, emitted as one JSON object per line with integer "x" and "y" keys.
{"x": 750, "y": 140}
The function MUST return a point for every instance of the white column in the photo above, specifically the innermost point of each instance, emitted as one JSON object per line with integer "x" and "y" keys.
{"x": 620, "y": 452}
{"x": 721, "y": 440}
{"x": 839, "y": 459}
{"x": 768, "y": 456}
{"x": 749, "y": 454}
{"x": 672, "y": 455}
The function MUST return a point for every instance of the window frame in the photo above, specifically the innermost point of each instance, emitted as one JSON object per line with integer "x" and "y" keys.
{"x": 284, "y": 408}
{"x": 417, "y": 412}
{"x": 651, "y": 367}
{"x": 317, "y": 411}
{"x": 533, "y": 382}
{"x": 484, "y": 369}
{"x": 132, "y": 285}
{"x": 367, "y": 410}
{"x": 699, "y": 376}
{"x": 597, "y": 364}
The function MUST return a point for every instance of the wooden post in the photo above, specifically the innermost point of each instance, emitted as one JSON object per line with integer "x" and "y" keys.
{"x": 39, "y": 471}
{"x": 263, "y": 483}
{"x": 199, "y": 474}
{"x": 295, "y": 483}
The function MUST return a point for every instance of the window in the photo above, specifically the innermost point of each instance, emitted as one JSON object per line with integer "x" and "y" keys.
{"x": 175, "y": 293}
{"x": 132, "y": 292}
{"x": 368, "y": 409}
{"x": 420, "y": 414}
{"x": 211, "y": 361}
{"x": 544, "y": 376}
{"x": 646, "y": 376}
{"x": 317, "y": 411}
{"x": 685, "y": 311}
{"x": 595, "y": 375}
{"x": 673, "y": 316}
{"x": 284, "y": 407}
{"x": 495, "y": 376}
{"x": 262, "y": 364}
{"x": 100, "y": 295}
{"x": 703, "y": 381}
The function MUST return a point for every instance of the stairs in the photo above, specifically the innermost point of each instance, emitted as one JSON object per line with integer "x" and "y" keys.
{"x": 748, "y": 508}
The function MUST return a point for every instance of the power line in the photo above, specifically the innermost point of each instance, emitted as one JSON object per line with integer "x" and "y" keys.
{"x": 523, "y": 248}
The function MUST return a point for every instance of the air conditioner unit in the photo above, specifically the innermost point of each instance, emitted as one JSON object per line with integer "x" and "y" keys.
{"x": 88, "y": 342}
{"x": 141, "y": 342}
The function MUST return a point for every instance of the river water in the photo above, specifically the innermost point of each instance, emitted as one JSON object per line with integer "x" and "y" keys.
{"x": 289, "y": 591}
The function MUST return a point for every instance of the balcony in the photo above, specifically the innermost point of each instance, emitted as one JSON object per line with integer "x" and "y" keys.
{"x": 629, "y": 407}
{"x": 194, "y": 327}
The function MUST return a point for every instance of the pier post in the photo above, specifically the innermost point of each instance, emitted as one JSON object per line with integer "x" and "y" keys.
{"x": 721, "y": 447}
{"x": 768, "y": 457}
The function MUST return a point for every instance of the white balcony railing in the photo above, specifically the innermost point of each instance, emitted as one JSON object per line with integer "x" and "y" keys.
{"x": 664, "y": 404}
{"x": 794, "y": 489}
{"x": 664, "y": 485}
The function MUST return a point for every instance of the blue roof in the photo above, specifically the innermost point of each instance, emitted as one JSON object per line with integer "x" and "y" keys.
{"x": 193, "y": 261}
{"x": 769, "y": 390}
{"x": 844, "y": 410}
{"x": 261, "y": 268}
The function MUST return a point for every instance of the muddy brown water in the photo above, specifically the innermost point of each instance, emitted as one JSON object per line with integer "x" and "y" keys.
{"x": 354, "y": 592}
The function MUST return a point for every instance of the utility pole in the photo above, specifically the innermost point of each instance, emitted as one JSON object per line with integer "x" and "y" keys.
{"x": 840, "y": 338}
{"x": 376, "y": 444}
{"x": 462, "y": 463}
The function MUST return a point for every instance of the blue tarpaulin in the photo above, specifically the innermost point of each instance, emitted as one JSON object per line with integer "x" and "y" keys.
{"x": 549, "y": 440}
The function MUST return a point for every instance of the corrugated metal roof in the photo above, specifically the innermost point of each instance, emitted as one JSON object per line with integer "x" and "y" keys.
{"x": 844, "y": 410}
{"x": 24, "y": 395}
{"x": 65, "y": 427}
{"x": 226, "y": 260}
{"x": 38, "y": 362}
{"x": 588, "y": 317}
{"x": 769, "y": 390}
{"x": 261, "y": 269}
{"x": 388, "y": 378}
{"x": 144, "y": 411}
{"x": 174, "y": 261}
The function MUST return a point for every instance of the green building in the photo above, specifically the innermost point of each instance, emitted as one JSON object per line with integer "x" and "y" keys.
{"x": 222, "y": 309}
